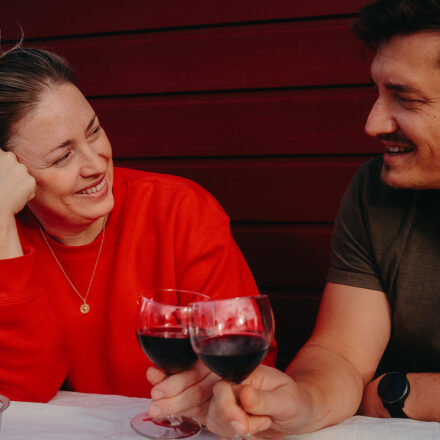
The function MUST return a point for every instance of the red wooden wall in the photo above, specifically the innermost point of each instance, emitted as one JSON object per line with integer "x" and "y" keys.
{"x": 261, "y": 102}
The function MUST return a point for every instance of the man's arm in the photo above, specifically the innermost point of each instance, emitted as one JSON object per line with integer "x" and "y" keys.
{"x": 341, "y": 357}
{"x": 324, "y": 383}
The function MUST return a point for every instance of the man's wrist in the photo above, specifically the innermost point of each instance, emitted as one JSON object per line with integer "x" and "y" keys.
{"x": 393, "y": 390}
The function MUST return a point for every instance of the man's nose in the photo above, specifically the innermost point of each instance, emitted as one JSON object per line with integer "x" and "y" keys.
{"x": 380, "y": 120}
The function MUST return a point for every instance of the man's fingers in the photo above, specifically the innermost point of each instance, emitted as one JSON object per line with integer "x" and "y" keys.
{"x": 259, "y": 423}
{"x": 262, "y": 403}
{"x": 225, "y": 417}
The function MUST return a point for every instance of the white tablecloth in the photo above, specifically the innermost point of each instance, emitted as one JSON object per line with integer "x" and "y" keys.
{"x": 77, "y": 416}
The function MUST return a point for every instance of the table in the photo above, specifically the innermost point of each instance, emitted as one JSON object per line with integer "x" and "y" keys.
{"x": 79, "y": 416}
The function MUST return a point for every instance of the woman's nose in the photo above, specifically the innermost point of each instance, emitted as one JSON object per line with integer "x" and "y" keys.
{"x": 91, "y": 162}
{"x": 380, "y": 120}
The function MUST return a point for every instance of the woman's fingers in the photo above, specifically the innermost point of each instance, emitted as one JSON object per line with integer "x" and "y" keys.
{"x": 155, "y": 375}
{"x": 185, "y": 393}
{"x": 177, "y": 383}
{"x": 17, "y": 186}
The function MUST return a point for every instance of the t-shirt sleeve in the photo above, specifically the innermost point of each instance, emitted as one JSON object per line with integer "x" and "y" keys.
{"x": 32, "y": 362}
{"x": 352, "y": 259}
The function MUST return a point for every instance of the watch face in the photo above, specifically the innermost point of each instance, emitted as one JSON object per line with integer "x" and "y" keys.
{"x": 393, "y": 387}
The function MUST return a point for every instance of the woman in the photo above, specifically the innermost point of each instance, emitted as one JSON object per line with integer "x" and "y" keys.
{"x": 80, "y": 240}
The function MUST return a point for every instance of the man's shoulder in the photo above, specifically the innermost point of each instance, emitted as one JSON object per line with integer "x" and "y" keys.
{"x": 369, "y": 172}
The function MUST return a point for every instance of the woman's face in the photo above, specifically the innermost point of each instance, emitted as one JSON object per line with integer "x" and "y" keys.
{"x": 68, "y": 153}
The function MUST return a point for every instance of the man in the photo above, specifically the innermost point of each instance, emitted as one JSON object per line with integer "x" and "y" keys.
{"x": 375, "y": 349}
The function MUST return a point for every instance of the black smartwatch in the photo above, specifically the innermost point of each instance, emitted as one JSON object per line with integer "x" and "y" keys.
{"x": 393, "y": 389}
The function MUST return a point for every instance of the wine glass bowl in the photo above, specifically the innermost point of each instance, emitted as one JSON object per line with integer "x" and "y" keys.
{"x": 232, "y": 336}
{"x": 163, "y": 334}
{"x": 162, "y": 330}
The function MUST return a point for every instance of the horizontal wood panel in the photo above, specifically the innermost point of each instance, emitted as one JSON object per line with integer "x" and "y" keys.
{"x": 295, "y": 315}
{"x": 290, "y": 255}
{"x": 242, "y": 57}
{"x": 85, "y": 17}
{"x": 240, "y": 124}
{"x": 289, "y": 190}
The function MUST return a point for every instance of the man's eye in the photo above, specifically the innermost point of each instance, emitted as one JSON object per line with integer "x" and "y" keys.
{"x": 96, "y": 129}
{"x": 402, "y": 99}
{"x": 405, "y": 100}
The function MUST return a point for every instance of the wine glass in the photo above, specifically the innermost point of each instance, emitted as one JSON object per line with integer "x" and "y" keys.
{"x": 232, "y": 336}
{"x": 162, "y": 332}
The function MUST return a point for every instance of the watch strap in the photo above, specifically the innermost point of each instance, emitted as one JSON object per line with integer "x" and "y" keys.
{"x": 395, "y": 411}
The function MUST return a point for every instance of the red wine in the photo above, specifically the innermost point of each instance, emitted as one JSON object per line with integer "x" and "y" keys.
{"x": 169, "y": 348}
{"x": 233, "y": 357}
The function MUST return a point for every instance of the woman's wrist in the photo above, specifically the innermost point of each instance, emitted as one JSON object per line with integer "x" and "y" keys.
{"x": 10, "y": 245}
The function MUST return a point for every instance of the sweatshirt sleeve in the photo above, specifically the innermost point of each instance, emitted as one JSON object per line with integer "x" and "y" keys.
{"x": 209, "y": 258}
{"x": 32, "y": 362}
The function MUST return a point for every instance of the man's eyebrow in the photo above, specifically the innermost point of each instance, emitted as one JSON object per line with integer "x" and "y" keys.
{"x": 402, "y": 88}
{"x": 92, "y": 121}
{"x": 69, "y": 141}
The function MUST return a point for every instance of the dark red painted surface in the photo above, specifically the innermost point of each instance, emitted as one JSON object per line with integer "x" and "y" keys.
{"x": 240, "y": 124}
{"x": 263, "y": 103}
{"x": 245, "y": 57}
{"x": 52, "y": 17}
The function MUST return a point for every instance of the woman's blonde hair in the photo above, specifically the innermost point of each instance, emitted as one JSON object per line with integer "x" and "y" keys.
{"x": 24, "y": 74}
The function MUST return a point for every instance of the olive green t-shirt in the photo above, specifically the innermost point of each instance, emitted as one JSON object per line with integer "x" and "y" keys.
{"x": 389, "y": 240}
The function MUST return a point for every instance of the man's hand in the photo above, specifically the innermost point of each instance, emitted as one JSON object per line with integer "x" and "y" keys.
{"x": 269, "y": 404}
{"x": 186, "y": 393}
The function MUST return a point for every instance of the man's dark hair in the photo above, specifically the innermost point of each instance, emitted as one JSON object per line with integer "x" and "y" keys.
{"x": 383, "y": 19}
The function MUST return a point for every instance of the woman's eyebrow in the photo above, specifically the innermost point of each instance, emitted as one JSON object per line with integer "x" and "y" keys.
{"x": 69, "y": 141}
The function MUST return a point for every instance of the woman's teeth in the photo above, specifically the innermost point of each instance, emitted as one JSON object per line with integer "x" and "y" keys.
{"x": 94, "y": 189}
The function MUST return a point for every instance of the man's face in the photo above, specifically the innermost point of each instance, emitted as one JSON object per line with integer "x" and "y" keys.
{"x": 406, "y": 114}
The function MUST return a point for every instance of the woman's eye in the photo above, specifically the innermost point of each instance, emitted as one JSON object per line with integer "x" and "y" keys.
{"x": 63, "y": 158}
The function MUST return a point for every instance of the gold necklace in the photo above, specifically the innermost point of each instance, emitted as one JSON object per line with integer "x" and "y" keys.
{"x": 84, "y": 308}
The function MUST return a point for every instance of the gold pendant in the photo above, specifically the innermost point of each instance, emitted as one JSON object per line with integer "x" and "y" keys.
{"x": 85, "y": 308}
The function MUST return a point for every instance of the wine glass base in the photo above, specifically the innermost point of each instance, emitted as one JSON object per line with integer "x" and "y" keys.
{"x": 172, "y": 427}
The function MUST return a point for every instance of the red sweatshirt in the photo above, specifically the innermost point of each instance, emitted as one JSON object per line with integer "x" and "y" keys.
{"x": 164, "y": 231}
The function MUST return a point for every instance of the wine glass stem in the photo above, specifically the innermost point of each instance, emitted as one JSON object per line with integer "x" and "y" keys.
{"x": 174, "y": 420}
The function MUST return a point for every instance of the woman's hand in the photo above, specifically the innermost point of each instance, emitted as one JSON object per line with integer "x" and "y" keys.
{"x": 17, "y": 186}
{"x": 269, "y": 404}
{"x": 187, "y": 393}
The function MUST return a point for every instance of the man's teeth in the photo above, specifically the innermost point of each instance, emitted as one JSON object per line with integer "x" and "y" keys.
{"x": 402, "y": 149}
{"x": 94, "y": 189}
